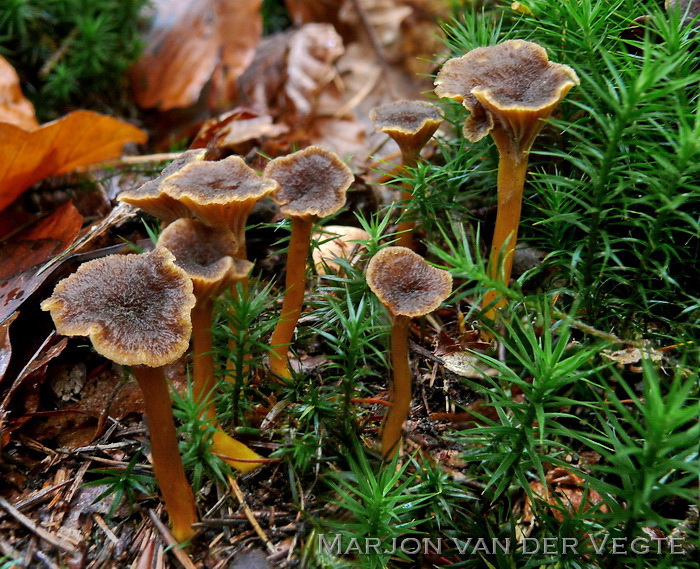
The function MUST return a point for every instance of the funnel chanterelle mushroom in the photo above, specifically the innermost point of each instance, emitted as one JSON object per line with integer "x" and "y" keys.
{"x": 409, "y": 287}
{"x": 136, "y": 311}
{"x": 150, "y": 198}
{"x": 221, "y": 193}
{"x": 410, "y": 124}
{"x": 205, "y": 253}
{"x": 509, "y": 89}
{"x": 312, "y": 184}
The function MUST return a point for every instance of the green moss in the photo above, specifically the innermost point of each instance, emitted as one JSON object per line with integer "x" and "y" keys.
{"x": 71, "y": 53}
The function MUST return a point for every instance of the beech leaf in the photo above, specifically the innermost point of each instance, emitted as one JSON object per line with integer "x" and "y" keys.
{"x": 191, "y": 43}
{"x": 78, "y": 139}
{"x": 41, "y": 241}
{"x": 15, "y": 108}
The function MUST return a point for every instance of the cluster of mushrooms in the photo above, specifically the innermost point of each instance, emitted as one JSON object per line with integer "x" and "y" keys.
{"x": 142, "y": 310}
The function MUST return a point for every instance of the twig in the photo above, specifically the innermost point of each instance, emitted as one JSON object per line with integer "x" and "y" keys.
{"x": 367, "y": 25}
{"x": 586, "y": 329}
{"x": 173, "y": 545}
{"x": 103, "y": 526}
{"x": 251, "y": 517}
{"x": 146, "y": 159}
{"x": 35, "y": 529}
{"x": 104, "y": 415}
{"x": 40, "y": 496}
{"x": 52, "y": 61}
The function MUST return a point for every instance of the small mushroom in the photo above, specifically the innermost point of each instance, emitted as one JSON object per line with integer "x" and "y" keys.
{"x": 221, "y": 193}
{"x": 150, "y": 197}
{"x": 206, "y": 254}
{"x": 509, "y": 90}
{"x": 408, "y": 287}
{"x": 312, "y": 184}
{"x": 136, "y": 311}
{"x": 410, "y": 124}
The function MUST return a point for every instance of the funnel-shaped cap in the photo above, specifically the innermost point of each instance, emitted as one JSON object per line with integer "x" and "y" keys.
{"x": 206, "y": 254}
{"x": 220, "y": 193}
{"x": 313, "y": 182}
{"x": 135, "y": 308}
{"x": 405, "y": 283}
{"x": 151, "y": 199}
{"x": 409, "y": 123}
{"x": 508, "y": 88}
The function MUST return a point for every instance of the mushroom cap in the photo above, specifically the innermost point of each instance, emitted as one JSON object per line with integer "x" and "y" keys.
{"x": 313, "y": 182}
{"x": 405, "y": 283}
{"x": 409, "y": 123}
{"x": 512, "y": 85}
{"x": 151, "y": 199}
{"x": 206, "y": 254}
{"x": 135, "y": 308}
{"x": 221, "y": 192}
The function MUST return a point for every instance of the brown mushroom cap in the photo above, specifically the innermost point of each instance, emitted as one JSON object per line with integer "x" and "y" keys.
{"x": 135, "y": 308}
{"x": 512, "y": 83}
{"x": 313, "y": 182}
{"x": 220, "y": 193}
{"x": 206, "y": 254}
{"x": 405, "y": 283}
{"x": 409, "y": 123}
{"x": 151, "y": 199}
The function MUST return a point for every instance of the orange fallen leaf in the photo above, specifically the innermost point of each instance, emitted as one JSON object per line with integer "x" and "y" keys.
{"x": 78, "y": 139}
{"x": 193, "y": 42}
{"x": 14, "y": 107}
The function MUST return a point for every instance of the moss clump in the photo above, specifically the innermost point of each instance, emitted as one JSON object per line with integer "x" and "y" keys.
{"x": 71, "y": 52}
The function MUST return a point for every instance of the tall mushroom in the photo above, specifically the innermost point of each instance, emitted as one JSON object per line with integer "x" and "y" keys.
{"x": 221, "y": 193}
{"x": 509, "y": 89}
{"x": 136, "y": 311}
{"x": 410, "y": 124}
{"x": 312, "y": 184}
{"x": 408, "y": 287}
{"x": 206, "y": 254}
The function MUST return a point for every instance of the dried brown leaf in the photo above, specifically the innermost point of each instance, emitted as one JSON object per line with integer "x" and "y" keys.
{"x": 630, "y": 355}
{"x": 337, "y": 242}
{"x": 312, "y": 52}
{"x": 563, "y": 490}
{"x": 41, "y": 241}
{"x": 78, "y": 139}
{"x": 5, "y": 344}
{"x": 304, "y": 12}
{"x": 191, "y": 43}
{"x": 292, "y": 68}
{"x": 384, "y": 16}
{"x": 230, "y": 130}
{"x": 14, "y": 107}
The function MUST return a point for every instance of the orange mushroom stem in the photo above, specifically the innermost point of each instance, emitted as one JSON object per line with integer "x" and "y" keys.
{"x": 401, "y": 388}
{"x": 295, "y": 283}
{"x": 205, "y": 253}
{"x": 410, "y": 124}
{"x": 165, "y": 451}
{"x": 221, "y": 193}
{"x": 231, "y": 451}
{"x": 136, "y": 311}
{"x": 409, "y": 287}
{"x": 509, "y": 89}
{"x": 312, "y": 184}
